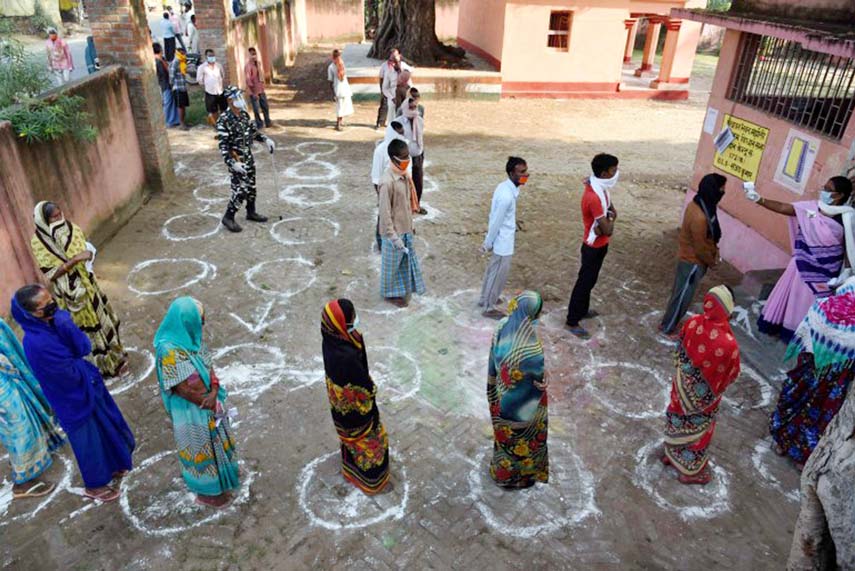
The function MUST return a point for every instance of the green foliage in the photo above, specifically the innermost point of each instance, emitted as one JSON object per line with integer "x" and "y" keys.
{"x": 39, "y": 21}
{"x": 718, "y": 5}
{"x": 196, "y": 114}
{"x": 23, "y": 77}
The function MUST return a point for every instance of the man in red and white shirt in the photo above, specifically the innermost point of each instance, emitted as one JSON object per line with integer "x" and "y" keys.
{"x": 255, "y": 87}
{"x": 598, "y": 218}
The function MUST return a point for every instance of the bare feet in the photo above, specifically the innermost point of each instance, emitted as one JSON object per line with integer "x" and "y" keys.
{"x": 217, "y": 502}
{"x": 702, "y": 478}
{"x": 32, "y": 489}
{"x": 398, "y": 301}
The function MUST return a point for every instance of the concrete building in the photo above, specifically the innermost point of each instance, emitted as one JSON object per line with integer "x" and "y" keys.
{"x": 785, "y": 86}
{"x": 578, "y": 48}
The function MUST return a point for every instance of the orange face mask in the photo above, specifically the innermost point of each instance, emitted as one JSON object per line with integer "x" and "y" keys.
{"x": 404, "y": 165}
{"x": 523, "y": 179}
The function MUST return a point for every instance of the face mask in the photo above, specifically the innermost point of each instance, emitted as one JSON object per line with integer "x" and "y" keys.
{"x": 212, "y": 59}
{"x": 355, "y": 325}
{"x": 523, "y": 179}
{"x": 826, "y": 197}
{"x": 50, "y": 309}
{"x": 610, "y": 182}
{"x": 240, "y": 103}
{"x": 404, "y": 165}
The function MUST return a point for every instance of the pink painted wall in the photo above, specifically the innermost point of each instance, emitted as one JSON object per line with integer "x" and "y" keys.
{"x": 335, "y": 20}
{"x": 98, "y": 185}
{"x": 481, "y": 23}
{"x": 271, "y": 31}
{"x": 447, "y": 14}
{"x": 832, "y": 159}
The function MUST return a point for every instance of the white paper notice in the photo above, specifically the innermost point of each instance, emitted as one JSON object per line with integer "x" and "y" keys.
{"x": 710, "y": 120}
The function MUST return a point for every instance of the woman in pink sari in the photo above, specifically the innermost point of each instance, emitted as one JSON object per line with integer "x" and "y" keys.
{"x": 820, "y": 243}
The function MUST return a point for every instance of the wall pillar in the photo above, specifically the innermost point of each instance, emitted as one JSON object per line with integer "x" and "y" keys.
{"x": 212, "y": 21}
{"x": 651, "y": 40}
{"x": 672, "y": 32}
{"x": 678, "y": 57}
{"x": 120, "y": 31}
{"x": 631, "y": 31}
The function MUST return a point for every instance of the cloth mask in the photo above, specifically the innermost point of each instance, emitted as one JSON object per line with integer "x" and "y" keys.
{"x": 523, "y": 180}
{"x": 609, "y": 182}
{"x": 50, "y": 309}
{"x": 404, "y": 165}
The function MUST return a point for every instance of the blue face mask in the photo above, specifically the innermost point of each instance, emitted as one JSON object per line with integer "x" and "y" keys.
{"x": 355, "y": 325}
{"x": 826, "y": 197}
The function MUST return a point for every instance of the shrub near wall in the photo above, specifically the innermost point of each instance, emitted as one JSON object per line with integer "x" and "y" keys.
{"x": 99, "y": 185}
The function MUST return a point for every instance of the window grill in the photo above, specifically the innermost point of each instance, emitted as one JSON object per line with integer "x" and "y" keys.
{"x": 559, "y": 30}
{"x": 808, "y": 88}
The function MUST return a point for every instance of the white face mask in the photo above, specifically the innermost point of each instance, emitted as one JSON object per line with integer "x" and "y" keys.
{"x": 212, "y": 59}
{"x": 826, "y": 197}
{"x": 240, "y": 103}
{"x": 610, "y": 182}
{"x": 355, "y": 325}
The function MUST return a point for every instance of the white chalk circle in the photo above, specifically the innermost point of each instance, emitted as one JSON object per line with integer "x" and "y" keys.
{"x": 220, "y": 195}
{"x": 307, "y": 195}
{"x": 331, "y": 502}
{"x": 195, "y": 222}
{"x": 565, "y": 501}
{"x": 643, "y": 380}
{"x": 689, "y": 501}
{"x": 6, "y": 494}
{"x": 300, "y": 230}
{"x": 396, "y": 372}
{"x": 284, "y": 277}
{"x": 205, "y": 270}
{"x": 760, "y": 459}
{"x": 250, "y": 369}
{"x": 324, "y": 148}
{"x": 142, "y": 362}
{"x": 160, "y": 508}
{"x": 312, "y": 169}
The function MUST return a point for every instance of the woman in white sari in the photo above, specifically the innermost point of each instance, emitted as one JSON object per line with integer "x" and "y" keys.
{"x": 342, "y": 95}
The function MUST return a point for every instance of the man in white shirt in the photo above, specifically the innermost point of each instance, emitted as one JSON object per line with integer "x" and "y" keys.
{"x": 381, "y": 162}
{"x": 394, "y": 81}
{"x": 192, "y": 35}
{"x": 211, "y": 77}
{"x": 500, "y": 236}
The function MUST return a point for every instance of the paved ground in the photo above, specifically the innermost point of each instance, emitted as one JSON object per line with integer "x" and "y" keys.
{"x": 609, "y": 505}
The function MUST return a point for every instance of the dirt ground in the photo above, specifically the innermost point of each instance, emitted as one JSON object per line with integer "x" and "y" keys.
{"x": 609, "y": 504}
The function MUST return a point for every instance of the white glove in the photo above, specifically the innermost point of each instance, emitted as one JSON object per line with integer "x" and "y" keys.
{"x": 271, "y": 146}
{"x": 750, "y": 193}
{"x": 239, "y": 167}
{"x": 406, "y": 251}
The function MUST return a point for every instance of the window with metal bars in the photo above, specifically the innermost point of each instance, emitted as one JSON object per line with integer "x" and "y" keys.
{"x": 810, "y": 89}
{"x": 559, "y": 30}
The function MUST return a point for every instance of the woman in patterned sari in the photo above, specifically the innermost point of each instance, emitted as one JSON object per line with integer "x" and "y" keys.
{"x": 516, "y": 392}
{"x": 816, "y": 387}
{"x": 707, "y": 362}
{"x": 59, "y": 247}
{"x": 195, "y": 402}
{"x": 28, "y": 429}
{"x": 351, "y": 392}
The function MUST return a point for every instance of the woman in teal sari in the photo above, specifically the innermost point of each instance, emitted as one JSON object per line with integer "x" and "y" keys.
{"x": 516, "y": 391}
{"x": 28, "y": 430}
{"x": 195, "y": 402}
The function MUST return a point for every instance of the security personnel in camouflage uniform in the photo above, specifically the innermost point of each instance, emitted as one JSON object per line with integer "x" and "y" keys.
{"x": 236, "y": 132}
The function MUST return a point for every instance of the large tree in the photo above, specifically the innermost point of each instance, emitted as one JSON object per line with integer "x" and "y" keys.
{"x": 409, "y": 25}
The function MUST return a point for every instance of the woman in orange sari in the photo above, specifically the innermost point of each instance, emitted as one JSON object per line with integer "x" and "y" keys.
{"x": 707, "y": 361}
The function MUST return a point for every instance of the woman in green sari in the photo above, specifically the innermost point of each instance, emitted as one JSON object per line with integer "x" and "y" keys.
{"x": 195, "y": 402}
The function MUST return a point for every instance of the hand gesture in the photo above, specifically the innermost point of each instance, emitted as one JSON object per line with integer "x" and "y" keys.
{"x": 239, "y": 167}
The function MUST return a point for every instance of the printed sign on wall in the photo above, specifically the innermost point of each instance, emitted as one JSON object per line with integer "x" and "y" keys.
{"x": 742, "y": 156}
{"x": 796, "y": 162}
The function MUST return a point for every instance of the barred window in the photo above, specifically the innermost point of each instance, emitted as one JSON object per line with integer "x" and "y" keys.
{"x": 559, "y": 30}
{"x": 808, "y": 88}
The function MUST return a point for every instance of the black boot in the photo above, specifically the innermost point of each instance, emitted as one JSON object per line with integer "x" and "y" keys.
{"x": 251, "y": 214}
{"x": 229, "y": 221}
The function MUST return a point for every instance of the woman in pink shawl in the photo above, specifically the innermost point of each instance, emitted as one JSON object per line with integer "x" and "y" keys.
{"x": 819, "y": 230}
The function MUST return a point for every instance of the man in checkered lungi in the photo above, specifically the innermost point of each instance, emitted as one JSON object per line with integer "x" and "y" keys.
{"x": 400, "y": 272}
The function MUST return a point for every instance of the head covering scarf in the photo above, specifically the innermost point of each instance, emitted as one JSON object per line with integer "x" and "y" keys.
{"x": 516, "y": 345}
{"x": 336, "y": 318}
{"x": 708, "y": 196}
{"x": 182, "y": 61}
{"x": 339, "y": 64}
{"x": 181, "y": 329}
{"x": 828, "y": 330}
{"x": 709, "y": 343}
{"x": 54, "y": 245}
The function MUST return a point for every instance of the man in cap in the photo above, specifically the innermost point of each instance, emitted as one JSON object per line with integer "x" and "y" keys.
{"x": 236, "y": 132}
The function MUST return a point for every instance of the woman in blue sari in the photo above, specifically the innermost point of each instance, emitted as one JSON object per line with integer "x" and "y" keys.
{"x": 28, "y": 429}
{"x": 516, "y": 391}
{"x": 195, "y": 403}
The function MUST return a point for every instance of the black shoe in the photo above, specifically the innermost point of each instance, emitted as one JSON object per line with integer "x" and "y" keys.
{"x": 253, "y": 216}
{"x": 229, "y": 222}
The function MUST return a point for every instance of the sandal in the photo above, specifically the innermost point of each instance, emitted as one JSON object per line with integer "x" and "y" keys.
{"x": 108, "y": 495}
{"x": 32, "y": 492}
{"x": 207, "y": 504}
{"x": 578, "y": 331}
{"x": 121, "y": 474}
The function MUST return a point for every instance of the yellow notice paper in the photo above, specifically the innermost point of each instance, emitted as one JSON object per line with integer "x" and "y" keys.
{"x": 742, "y": 157}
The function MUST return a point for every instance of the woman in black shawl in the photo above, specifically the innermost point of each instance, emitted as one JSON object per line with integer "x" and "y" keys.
{"x": 351, "y": 392}
{"x": 699, "y": 236}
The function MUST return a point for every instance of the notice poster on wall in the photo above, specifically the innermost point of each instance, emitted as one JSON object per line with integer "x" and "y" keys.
{"x": 742, "y": 156}
{"x": 796, "y": 162}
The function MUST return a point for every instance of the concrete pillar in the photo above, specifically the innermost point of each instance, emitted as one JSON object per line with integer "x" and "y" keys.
{"x": 654, "y": 24}
{"x": 631, "y": 30}
{"x": 669, "y": 50}
{"x": 681, "y": 44}
{"x": 212, "y": 21}
{"x": 120, "y": 31}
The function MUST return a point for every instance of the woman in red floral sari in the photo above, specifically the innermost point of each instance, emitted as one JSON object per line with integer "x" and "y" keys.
{"x": 707, "y": 361}
{"x": 351, "y": 392}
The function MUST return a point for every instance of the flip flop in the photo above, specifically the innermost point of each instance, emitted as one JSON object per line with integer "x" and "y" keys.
{"x": 208, "y": 505}
{"x": 32, "y": 493}
{"x": 578, "y": 331}
{"x": 108, "y": 495}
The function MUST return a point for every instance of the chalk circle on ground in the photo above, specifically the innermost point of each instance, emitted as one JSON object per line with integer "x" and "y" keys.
{"x": 690, "y": 502}
{"x": 312, "y": 169}
{"x": 160, "y": 511}
{"x": 304, "y": 230}
{"x": 142, "y": 365}
{"x": 283, "y": 277}
{"x": 250, "y": 369}
{"x": 195, "y": 226}
{"x": 396, "y": 372}
{"x": 566, "y": 501}
{"x": 161, "y": 271}
{"x": 331, "y": 502}
{"x": 221, "y": 194}
{"x": 761, "y": 459}
{"x": 608, "y": 382}
{"x": 307, "y": 195}
{"x": 430, "y": 185}
{"x": 6, "y": 495}
{"x": 324, "y": 148}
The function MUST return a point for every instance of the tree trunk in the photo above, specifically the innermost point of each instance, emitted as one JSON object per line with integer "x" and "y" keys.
{"x": 410, "y": 26}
